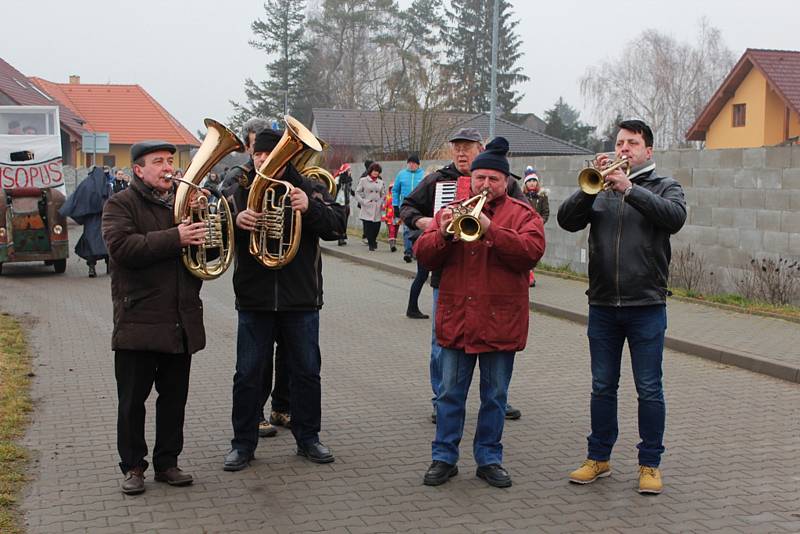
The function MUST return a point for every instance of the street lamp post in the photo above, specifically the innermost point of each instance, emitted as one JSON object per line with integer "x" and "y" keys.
{"x": 493, "y": 98}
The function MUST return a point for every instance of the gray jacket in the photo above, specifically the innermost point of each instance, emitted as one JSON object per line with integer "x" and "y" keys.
{"x": 370, "y": 195}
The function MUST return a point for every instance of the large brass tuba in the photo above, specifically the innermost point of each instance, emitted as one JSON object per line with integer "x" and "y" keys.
{"x": 592, "y": 180}
{"x": 308, "y": 164}
{"x": 276, "y": 239}
{"x": 466, "y": 223}
{"x": 212, "y": 258}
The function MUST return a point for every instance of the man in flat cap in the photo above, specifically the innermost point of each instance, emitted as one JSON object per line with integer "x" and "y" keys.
{"x": 158, "y": 314}
{"x": 418, "y": 208}
{"x": 280, "y": 304}
{"x": 483, "y": 307}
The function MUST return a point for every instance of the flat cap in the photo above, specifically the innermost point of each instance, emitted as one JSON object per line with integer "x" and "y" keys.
{"x": 143, "y": 148}
{"x": 466, "y": 134}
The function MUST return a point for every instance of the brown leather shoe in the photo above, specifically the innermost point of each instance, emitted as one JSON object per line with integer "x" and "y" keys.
{"x": 134, "y": 482}
{"x": 174, "y": 477}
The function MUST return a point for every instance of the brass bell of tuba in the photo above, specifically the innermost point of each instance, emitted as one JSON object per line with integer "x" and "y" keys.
{"x": 466, "y": 223}
{"x": 276, "y": 239}
{"x": 308, "y": 162}
{"x": 209, "y": 260}
{"x": 592, "y": 180}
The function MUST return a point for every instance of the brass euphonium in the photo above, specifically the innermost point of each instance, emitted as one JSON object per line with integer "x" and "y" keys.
{"x": 276, "y": 239}
{"x": 212, "y": 258}
{"x": 466, "y": 223}
{"x": 308, "y": 164}
{"x": 592, "y": 180}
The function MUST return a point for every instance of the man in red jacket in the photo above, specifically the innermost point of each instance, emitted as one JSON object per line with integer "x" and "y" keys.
{"x": 482, "y": 314}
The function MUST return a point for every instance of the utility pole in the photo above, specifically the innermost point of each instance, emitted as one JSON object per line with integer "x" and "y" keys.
{"x": 493, "y": 98}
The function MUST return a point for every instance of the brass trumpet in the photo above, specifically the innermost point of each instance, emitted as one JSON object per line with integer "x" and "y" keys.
{"x": 466, "y": 223}
{"x": 592, "y": 180}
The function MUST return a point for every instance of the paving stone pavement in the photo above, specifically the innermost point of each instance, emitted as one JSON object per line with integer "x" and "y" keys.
{"x": 763, "y": 344}
{"x": 733, "y": 436}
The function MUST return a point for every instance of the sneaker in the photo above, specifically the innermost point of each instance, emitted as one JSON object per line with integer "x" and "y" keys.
{"x": 650, "y": 480}
{"x": 266, "y": 430}
{"x": 589, "y": 471}
{"x": 134, "y": 482}
{"x": 281, "y": 419}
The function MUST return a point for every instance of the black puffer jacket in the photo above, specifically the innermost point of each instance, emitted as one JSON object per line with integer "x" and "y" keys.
{"x": 420, "y": 202}
{"x": 629, "y": 250}
{"x": 298, "y": 285}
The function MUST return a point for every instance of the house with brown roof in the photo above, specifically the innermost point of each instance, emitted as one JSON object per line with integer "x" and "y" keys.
{"x": 380, "y": 134}
{"x": 758, "y": 103}
{"x": 128, "y": 113}
{"x": 16, "y": 89}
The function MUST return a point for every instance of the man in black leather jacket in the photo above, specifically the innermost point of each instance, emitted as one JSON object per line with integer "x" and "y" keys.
{"x": 631, "y": 222}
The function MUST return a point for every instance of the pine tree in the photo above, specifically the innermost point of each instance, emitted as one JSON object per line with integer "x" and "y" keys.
{"x": 467, "y": 65}
{"x": 563, "y": 121}
{"x": 281, "y": 34}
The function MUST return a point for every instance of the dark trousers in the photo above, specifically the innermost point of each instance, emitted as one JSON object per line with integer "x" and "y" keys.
{"x": 644, "y": 328}
{"x": 254, "y": 348}
{"x": 280, "y": 390}
{"x": 416, "y": 287}
{"x": 136, "y": 372}
{"x": 371, "y": 230}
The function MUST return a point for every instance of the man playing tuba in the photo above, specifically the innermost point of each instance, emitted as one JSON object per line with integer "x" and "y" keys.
{"x": 285, "y": 301}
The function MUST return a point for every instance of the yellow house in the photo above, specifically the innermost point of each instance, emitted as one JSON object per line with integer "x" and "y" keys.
{"x": 758, "y": 104}
{"x": 128, "y": 113}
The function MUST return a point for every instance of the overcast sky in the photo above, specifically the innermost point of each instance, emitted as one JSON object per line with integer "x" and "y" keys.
{"x": 193, "y": 56}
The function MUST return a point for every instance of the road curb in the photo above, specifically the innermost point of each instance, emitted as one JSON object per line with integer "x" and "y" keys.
{"x": 721, "y": 355}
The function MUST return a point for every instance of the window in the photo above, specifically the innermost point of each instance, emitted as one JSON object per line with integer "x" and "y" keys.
{"x": 110, "y": 161}
{"x": 739, "y": 112}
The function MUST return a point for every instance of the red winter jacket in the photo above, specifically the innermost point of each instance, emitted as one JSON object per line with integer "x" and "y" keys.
{"x": 483, "y": 294}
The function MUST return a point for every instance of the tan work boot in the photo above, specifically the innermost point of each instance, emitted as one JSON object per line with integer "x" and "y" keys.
{"x": 589, "y": 471}
{"x": 266, "y": 430}
{"x": 281, "y": 419}
{"x": 134, "y": 482}
{"x": 650, "y": 480}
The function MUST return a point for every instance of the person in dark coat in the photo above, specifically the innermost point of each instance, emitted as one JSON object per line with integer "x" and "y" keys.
{"x": 158, "y": 314}
{"x": 121, "y": 182}
{"x": 284, "y": 302}
{"x": 85, "y": 207}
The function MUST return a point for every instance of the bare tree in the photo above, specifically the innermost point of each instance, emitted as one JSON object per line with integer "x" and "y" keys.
{"x": 661, "y": 81}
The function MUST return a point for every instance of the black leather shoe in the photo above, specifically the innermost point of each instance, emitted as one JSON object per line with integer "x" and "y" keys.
{"x": 512, "y": 413}
{"x": 92, "y": 271}
{"x": 407, "y": 258}
{"x": 494, "y": 475}
{"x": 439, "y": 472}
{"x": 236, "y": 460}
{"x": 416, "y": 314}
{"x": 316, "y": 452}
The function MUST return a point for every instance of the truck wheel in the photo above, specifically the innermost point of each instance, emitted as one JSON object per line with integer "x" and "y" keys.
{"x": 60, "y": 266}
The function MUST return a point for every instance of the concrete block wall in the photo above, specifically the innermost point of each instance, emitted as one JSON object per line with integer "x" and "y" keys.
{"x": 742, "y": 203}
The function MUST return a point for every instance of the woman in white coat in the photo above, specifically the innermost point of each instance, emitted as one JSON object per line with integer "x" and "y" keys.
{"x": 370, "y": 194}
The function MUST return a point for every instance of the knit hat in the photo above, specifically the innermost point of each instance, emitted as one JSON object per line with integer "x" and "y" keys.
{"x": 494, "y": 157}
{"x": 266, "y": 140}
{"x": 413, "y": 158}
{"x": 529, "y": 170}
{"x": 531, "y": 178}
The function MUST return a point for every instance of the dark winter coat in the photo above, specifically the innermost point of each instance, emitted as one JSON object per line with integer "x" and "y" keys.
{"x": 483, "y": 296}
{"x": 298, "y": 285}
{"x": 157, "y": 304}
{"x": 629, "y": 249}
{"x": 85, "y": 207}
{"x": 539, "y": 202}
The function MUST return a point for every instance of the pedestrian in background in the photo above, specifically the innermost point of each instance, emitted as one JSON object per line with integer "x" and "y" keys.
{"x": 370, "y": 194}
{"x": 537, "y": 197}
{"x": 389, "y": 217}
{"x": 85, "y": 206}
{"x": 404, "y": 183}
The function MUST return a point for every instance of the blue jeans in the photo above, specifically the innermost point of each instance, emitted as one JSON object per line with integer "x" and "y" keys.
{"x": 254, "y": 349}
{"x": 457, "y": 368}
{"x": 408, "y": 246}
{"x": 436, "y": 373}
{"x": 644, "y": 328}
